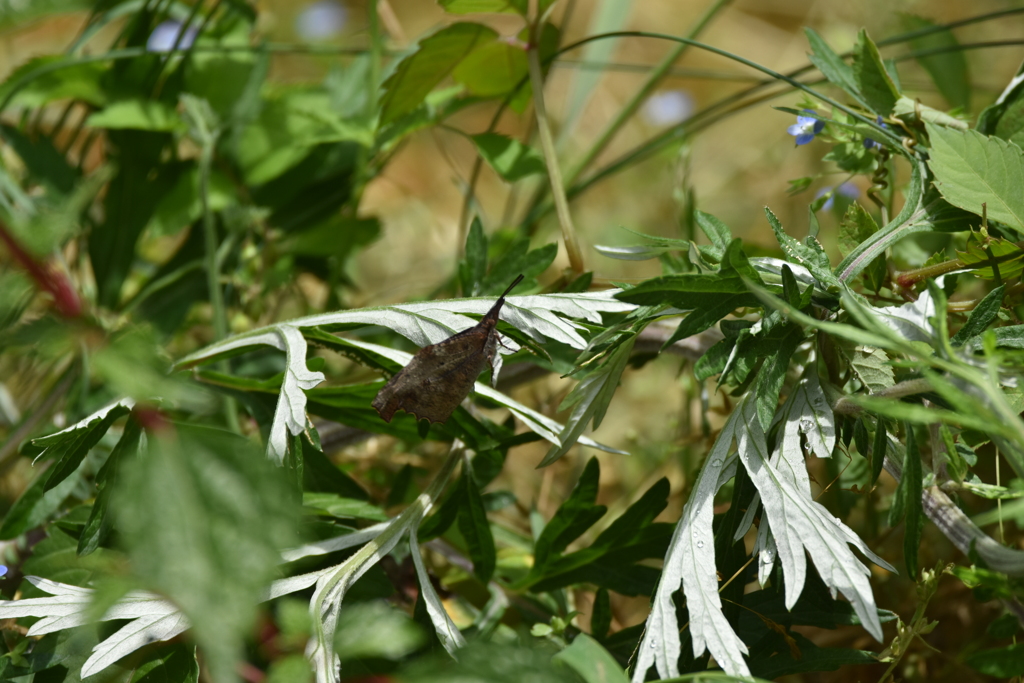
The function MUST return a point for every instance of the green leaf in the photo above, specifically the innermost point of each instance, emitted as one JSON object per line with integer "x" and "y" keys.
{"x": 55, "y": 558}
{"x": 73, "y": 80}
{"x": 814, "y": 259}
{"x": 288, "y": 128}
{"x": 915, "y": 516}
{"x": 57, "y": 655}
{"x": 879, "y": 445}
{"x": 130, "y": 200}
{"x": 376, "y": 629}
{"x": 714, "y": 360}
{"x": 1005, "y": 626}
{"x": 320, "y": 475}
{"x": 132, "y": 364}
{"x": 903, "y": 225}
{"x": 610, "y": 560}
{"x": 75, "y": 442}
{"x": 872, "y": 79}
{"x": 639, "y": 515}
{"x": 101, "y": 522}
{"x": 685, "y": 290}
{"x": 851, "y": 157}
{"x": 446, "y": 514}
{"x": 637, "y": 252}
{"x": 948, "y": 69}
{"x": 473, "y": 267}
{"x": 592, "y": 662}
{"x": 509, "y": 158}
{"x": 772, "y": 374}
{"x": 37, "y": 504}
{"x": 138, "y": 115}
{"x": 984, "y": 256}
{"x": 911, "y": 110}
{"x": 183, "y": 205}
{"x": 476, "y": 529}
{"x": 293, "y": 668}
{"x": 987, "y": 584}
{"x": 590, "y": 400}
{"x": 483, "y": 6}
{"x": 857, "y": 226}
{"x": 1002, "y": 662}
{"x": 435, "y": 57}
{"x": 577, "y": 514}
{"x": 227, "y": 79}
{"x": 870, "y": 364}
{"x": 716, "y": 231}
{"x": 708, "y": 296}
{"x": 42, "y": 161}
{"x": 907, "y": 504}
{"x": 518, "y": 259}
{"x": 1010, "y": 337}
{"x": 972, "y": 169}
{"x": 338, "y": 506}
{"x": 981, "y": 317}
{"x": 832, "y": 66}
{"x": 1010, "y": 123}
{"x": 204, "y": 515}
{"x": 493, "y": 69}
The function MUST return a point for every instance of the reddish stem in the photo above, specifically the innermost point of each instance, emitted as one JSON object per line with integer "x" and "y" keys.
{"x": 47, "y": 277}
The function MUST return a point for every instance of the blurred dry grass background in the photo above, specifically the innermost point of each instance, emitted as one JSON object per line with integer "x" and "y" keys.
{"x": 736, "y": 167}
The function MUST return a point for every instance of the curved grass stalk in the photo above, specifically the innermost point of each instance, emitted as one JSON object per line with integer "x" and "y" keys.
{"x": 638, "y": 98}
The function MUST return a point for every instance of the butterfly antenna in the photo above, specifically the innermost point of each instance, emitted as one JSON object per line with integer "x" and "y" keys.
{"x": 512, "y": 286}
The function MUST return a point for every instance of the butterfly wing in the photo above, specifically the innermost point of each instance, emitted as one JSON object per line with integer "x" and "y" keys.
{"x": 438, "y": 377}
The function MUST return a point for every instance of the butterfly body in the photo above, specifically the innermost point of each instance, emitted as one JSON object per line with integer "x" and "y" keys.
{"x": 441, "y": 375}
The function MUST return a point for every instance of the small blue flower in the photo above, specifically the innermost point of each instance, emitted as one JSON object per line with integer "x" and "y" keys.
{"x": 805, "y": 128}
{"x": 164, "y": 36}
{"x": 848, "y": 190}
{"x": 873, "y": 144}
{"x": 321, "y": 20}
{"x": 669, "y": 107}
{"x": 3, "y": 570}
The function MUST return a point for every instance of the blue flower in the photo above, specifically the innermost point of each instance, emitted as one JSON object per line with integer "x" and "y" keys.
{"x": 669, "y": 107}
{"x": 805, "y": 128}
{"x": 848, "y": 190}
{"x": 873, "y": 144}
{"x": 164, "y": 36}
{"x": 320, "y": 20}
{"x": 3, "y": 570}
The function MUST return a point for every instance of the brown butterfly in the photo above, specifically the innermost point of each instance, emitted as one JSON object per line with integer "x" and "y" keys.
{"x": 441, "y": 375}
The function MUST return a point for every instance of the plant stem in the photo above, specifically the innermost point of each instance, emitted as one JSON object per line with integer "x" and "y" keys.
{"x": 376, "y": 52}
{"x": 911, "y": 387}
{"x": 203, "y": 125}
{"x": 572, "y": 247}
